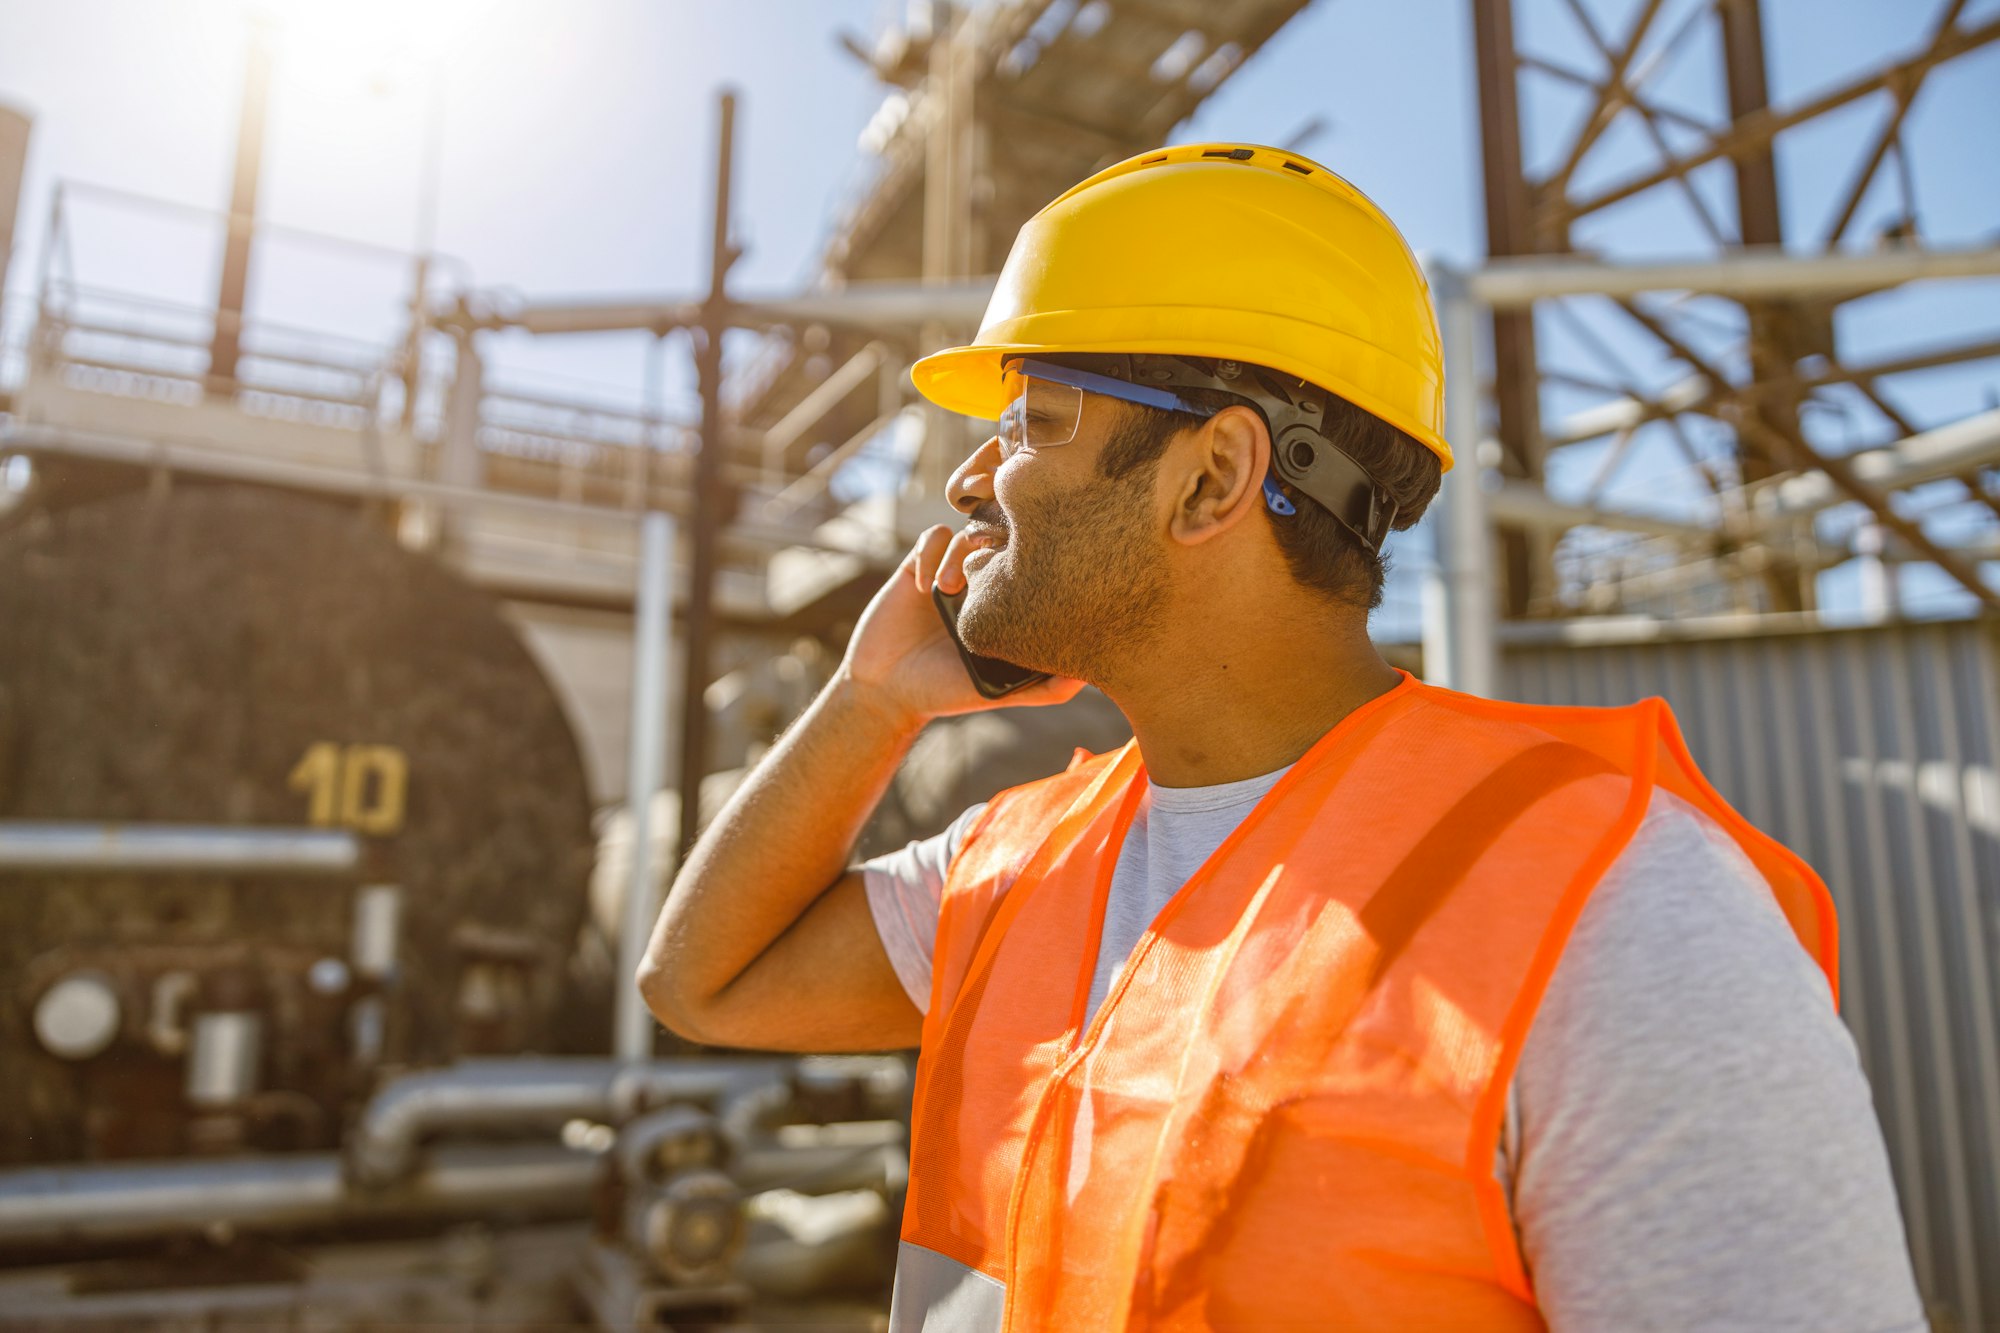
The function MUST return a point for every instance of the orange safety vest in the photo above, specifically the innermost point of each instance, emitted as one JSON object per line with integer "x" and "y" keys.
{"x": 1285, "y": 1112}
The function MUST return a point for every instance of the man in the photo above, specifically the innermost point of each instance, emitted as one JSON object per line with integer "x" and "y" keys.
{"x": 1333, "y": 1000}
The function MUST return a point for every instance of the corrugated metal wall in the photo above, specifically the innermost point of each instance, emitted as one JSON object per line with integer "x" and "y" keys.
{"x": 1875, "y": 754}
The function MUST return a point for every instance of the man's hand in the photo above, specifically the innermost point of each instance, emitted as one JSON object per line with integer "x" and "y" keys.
{"x": 766, "y": 938}
{"x": 901, "y": 658}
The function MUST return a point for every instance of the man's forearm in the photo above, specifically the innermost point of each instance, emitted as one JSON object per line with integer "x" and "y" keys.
{"x": 781, "y": 841}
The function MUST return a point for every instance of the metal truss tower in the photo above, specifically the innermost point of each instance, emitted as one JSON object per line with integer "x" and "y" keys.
{"x": 1749, "y": 371}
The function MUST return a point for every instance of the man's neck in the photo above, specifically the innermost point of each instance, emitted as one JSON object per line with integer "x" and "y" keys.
{"x": 1234, "y": 704}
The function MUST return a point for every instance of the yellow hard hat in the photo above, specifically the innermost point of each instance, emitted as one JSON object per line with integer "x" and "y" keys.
{"x": 1230, "y": 251}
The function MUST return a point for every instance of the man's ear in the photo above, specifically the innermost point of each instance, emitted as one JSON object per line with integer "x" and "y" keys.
{"x": 1218, "y": 474}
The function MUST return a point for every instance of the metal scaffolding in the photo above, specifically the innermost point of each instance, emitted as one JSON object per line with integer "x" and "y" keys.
{"x": 1786, "y": 356}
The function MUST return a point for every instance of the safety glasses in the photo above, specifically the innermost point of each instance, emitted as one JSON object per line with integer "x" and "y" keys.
{"x": 1045, "y": 403}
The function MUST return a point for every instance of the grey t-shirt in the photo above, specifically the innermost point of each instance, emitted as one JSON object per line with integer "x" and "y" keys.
{"x": 1689, "y": 1140}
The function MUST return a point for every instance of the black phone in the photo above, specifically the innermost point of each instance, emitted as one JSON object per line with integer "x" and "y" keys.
{"x": 991, "y": 676}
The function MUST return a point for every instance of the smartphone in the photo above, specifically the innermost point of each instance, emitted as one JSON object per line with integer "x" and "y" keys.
{"x": 992, "y": 677}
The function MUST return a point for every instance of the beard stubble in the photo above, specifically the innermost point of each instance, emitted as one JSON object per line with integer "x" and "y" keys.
{"x": 1077, "y": 589}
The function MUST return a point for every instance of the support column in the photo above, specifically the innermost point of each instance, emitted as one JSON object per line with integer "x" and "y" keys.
{"x": 1511, "y": 230}
{"x": 1775, "y": 326}
{"x": 712, "y": 499}
{"x": 242, "y": 225}
{"x": 1460, "y": 652}
{"x": 14, "y": 126}
{"x": 949, "y": 145}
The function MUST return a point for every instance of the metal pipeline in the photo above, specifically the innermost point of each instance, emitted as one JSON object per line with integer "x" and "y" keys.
{"x": 384, "y": 1173}
{"x": 176, "y": 848}
{"x": 115, "y": 1201}
{"x": 510, "y": 1093}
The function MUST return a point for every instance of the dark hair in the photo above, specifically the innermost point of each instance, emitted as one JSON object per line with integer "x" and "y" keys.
{"x": 1321, "y": 553}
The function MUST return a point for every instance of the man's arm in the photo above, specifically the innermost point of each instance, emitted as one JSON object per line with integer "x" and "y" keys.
{"x": 1698, "y": 1145}
{"x": 766, "y": 938}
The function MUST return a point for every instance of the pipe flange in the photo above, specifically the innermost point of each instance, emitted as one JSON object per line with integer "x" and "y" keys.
{"x": 692, "y": 1229}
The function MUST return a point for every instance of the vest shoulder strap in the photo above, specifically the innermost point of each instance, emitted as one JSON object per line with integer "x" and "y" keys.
{"x": 1005, "y": 838}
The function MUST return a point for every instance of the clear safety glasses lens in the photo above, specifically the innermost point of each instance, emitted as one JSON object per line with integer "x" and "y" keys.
{"x": 1039, "y": 413}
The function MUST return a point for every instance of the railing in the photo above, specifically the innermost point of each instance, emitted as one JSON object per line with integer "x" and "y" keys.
{"x": 138, "y": 347}
{"x": 529, "y": 441}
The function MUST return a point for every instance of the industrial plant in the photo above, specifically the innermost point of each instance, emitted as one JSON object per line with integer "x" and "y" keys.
{"x": 359, "y": 699}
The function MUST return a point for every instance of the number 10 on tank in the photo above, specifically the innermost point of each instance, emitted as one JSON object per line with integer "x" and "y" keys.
{"x": 361, "y": 787}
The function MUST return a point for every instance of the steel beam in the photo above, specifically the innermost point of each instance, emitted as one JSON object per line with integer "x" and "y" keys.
{"x": 712, "y": 496}
{"x": 1775, "y": 345}
{"x": 14, "y": 127}
{"x": 1510, "y": 230}
{"x": 812, "y": 409}
{"x": 1767, "y": 125}
{"x": 242, "y": 223}
{"x": 1792, "y": 446}
{"x": 1904, "y": 92}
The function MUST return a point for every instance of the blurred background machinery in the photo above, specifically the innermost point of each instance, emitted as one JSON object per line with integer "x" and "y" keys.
{"x": 217, "y": 656}
{"x": 318, "y": 687}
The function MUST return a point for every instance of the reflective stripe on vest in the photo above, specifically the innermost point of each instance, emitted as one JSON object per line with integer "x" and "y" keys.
{"x": 1285, "y": 1111}
{"x": 935, "y": 1294}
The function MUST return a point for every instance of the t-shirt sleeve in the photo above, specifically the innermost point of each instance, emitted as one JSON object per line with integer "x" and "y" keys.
{"x": 1698, "y": 1148}
{"x": 904, "y": 889}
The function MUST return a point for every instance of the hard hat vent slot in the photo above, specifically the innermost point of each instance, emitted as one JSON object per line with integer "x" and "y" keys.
{"x": 1233, "y": 154}
{"x": 1299, "y": 167}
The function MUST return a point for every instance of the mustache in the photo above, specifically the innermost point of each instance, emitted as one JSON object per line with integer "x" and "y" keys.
{"x": 986, "y": 519}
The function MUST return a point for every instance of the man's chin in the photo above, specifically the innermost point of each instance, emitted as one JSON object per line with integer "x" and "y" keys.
{"x": 977, "y": 627}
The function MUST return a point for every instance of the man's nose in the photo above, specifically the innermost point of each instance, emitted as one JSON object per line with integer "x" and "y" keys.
{"x": 972, "y": 484}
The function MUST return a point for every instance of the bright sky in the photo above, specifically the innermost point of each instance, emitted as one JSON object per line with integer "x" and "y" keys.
{"x": 576, "y": 150}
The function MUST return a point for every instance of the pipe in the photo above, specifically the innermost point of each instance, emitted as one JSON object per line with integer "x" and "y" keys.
{"x": 633, "y": 1026}
{"x": 384, "y": 1174}
{"x": 637, "y": 1148}
{"x": 1945, "y": 451}
{"x": 864, "y": 306}
{"x": 819, "y": 1169}
{"x": 118, "y": 1201}
{"x": 64, "y": 846}
{"x": 1755, "y": 271}
{"x": 1530, "y": 506}
{"x": 747, "y": 537}
{"x": 510, "y": 1093}
{"x": 1502, "y": 282}
{"x": 1629, "y": 413}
